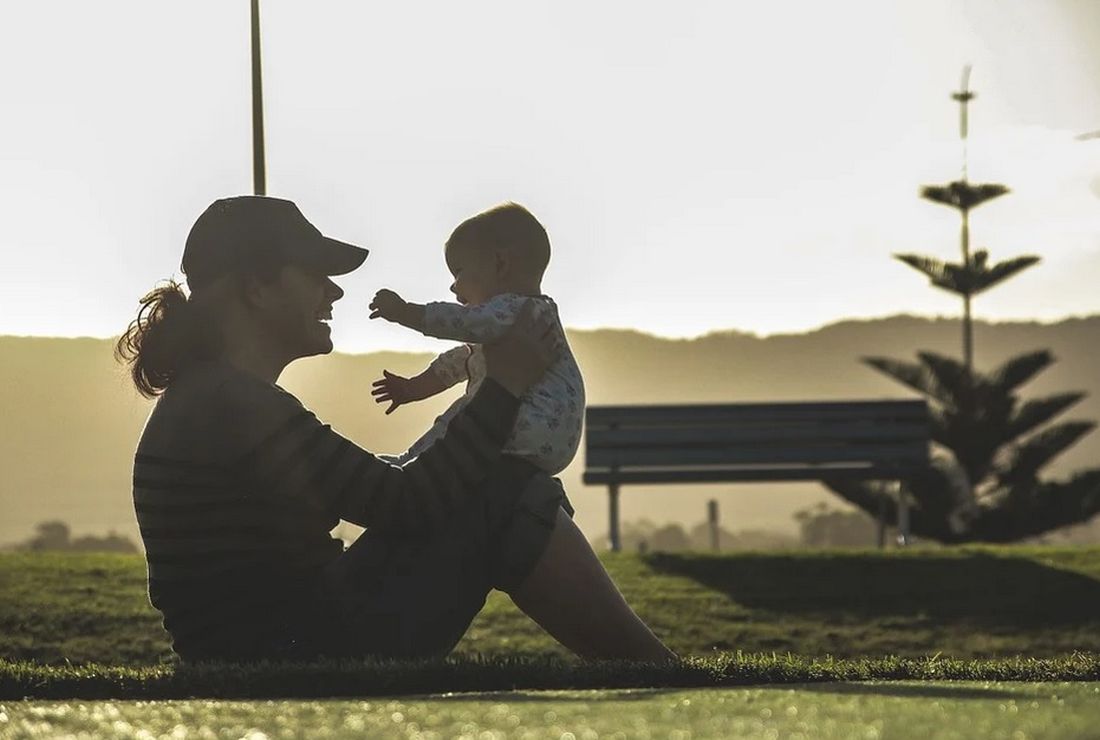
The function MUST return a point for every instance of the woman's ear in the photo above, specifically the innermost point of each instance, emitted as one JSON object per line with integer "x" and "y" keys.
{"x": 258, "y": 292}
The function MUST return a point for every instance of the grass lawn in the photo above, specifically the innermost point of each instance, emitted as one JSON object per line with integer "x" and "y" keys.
{"x": 363, "y": 678}
{"x": 1015, "y": 711}
{"x": 963, "y": 603}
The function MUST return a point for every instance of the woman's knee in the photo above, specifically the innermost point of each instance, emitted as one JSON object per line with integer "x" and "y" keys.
{"x": 525, "y": 536}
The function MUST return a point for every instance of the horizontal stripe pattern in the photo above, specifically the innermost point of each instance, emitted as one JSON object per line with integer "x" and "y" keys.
{"x": 225, "y": 541}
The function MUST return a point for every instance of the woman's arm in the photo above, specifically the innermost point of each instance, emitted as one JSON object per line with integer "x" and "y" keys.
{"x": 287, "y": 451}
{"x": 303, "y": 457}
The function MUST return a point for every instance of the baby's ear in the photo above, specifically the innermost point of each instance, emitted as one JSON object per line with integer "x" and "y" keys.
{"x": 503, "y": 262}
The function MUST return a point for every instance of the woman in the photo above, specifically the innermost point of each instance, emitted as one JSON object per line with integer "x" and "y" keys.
{"x": 237, "y": 485}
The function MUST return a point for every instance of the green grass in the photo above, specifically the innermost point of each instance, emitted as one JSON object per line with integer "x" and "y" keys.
{"x": 20, "y": 680}
{"x": 821, "y": 711}
{"x": 964, "y": 603}
{"x": 79, "y": 626}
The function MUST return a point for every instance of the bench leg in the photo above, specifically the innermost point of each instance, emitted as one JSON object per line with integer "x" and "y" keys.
{"x": 881, "y": 524}
{"x": 613, "y": 513}
{"x": 903, "y": 515}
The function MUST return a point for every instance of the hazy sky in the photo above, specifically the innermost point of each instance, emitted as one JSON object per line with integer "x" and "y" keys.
{"x": 699, "y": 165}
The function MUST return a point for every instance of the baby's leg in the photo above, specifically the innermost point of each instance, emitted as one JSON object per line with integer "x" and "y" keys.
{"x": 571, "y": 596}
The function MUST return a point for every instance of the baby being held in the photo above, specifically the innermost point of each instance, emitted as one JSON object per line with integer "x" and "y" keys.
{"x": 497, "y": 259}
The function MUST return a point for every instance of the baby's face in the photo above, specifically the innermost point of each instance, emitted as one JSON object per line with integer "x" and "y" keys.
{"x": 475, "y": 274}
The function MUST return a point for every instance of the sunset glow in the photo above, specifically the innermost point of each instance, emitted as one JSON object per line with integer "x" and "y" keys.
{"x": 701, "y": 167}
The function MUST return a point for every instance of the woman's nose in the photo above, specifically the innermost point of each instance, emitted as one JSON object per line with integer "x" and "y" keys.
{"x": 454, "y": 287}
{"x": 334, "y": 291}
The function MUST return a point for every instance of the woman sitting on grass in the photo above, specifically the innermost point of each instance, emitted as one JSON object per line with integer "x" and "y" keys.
{"x": 237, "y": 485}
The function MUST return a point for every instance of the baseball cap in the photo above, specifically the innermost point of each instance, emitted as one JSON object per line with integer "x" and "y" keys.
{"x": 234, "y": 233}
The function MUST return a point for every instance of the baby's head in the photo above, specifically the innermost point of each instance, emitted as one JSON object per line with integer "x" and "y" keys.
{"x": 502, "y": 250}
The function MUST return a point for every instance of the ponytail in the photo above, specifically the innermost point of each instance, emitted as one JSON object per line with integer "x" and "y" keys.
{"x": 168, "y": 334}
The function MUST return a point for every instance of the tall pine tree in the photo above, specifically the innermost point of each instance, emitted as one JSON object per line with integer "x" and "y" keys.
{"x": 990, "y": 445}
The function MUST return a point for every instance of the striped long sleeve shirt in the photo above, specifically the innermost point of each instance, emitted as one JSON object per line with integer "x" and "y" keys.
{"x": 237, "y": 486}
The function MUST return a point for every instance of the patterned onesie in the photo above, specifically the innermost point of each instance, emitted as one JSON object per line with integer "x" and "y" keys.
{"x": 548, "y": 428}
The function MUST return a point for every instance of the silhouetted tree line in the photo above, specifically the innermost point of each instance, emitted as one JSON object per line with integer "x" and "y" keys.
{"x": 644, "y": 536}
{"x": 819, "y": 526}
{"x": 56, "y": 536}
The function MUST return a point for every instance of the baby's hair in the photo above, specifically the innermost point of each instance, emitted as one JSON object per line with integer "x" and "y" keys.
{"x": 507, "y": 227}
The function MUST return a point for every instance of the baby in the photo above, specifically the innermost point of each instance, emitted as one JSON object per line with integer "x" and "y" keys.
{"x": 497, "y": 259}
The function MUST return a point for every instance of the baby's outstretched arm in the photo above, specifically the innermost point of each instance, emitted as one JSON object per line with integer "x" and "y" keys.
{"x": 397, "y": 391}
{"x": 445, "y": 371}
{"x": 480, "y": 324}
{"x": 390, "y": 306}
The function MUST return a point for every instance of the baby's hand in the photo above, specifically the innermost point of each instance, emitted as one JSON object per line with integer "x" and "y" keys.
{"x": 387, "y": 305}
{"x": 393, "y": 389}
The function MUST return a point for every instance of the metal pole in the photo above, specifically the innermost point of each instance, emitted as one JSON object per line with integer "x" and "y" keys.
{"x": 613, "y": 511}
{"x": 882, "y": 523}
{"x": 259, "y": 174}
{"x": 712, "y": 522}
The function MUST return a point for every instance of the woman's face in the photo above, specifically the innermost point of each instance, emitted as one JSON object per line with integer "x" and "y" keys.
{"x": 299, "y": 309}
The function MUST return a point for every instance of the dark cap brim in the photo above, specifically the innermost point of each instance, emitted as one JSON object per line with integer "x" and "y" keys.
{"x": 334, "y": 257}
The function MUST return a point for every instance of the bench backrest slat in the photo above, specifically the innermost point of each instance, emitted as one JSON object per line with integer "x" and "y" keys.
{"x": 709, "y": 474}
{"x": 876, "y": 435}
{"x": 724, "y": 414}
{"x": 755, "y": 434}
{"x": 610, "y": 457}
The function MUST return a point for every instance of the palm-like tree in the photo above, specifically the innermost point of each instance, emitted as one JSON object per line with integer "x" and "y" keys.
{"x": 970, "y": 277}
{"x": 991, "y": 446}
{"x": 983, "y": 484}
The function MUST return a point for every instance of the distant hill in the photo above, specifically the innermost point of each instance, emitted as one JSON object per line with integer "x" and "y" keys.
{"x": 71, "y": 419}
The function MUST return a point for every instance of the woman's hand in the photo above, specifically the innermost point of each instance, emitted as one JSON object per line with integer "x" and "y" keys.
{"x": 519, "y": 358}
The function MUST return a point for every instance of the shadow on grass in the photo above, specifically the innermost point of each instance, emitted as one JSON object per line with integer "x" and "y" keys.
{"x": 912, "y": 690}
{"x": 941, "y": 690}
{"x": 976, "y": 588}
{"x": 563, "y": 695}
{"x": 486, "y": 678}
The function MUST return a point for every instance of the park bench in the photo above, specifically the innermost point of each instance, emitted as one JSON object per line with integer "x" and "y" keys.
{"x": 866, "y": 440}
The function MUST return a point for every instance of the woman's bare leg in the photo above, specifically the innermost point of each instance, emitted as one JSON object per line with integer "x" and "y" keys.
{"x": 571, "y": 596}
